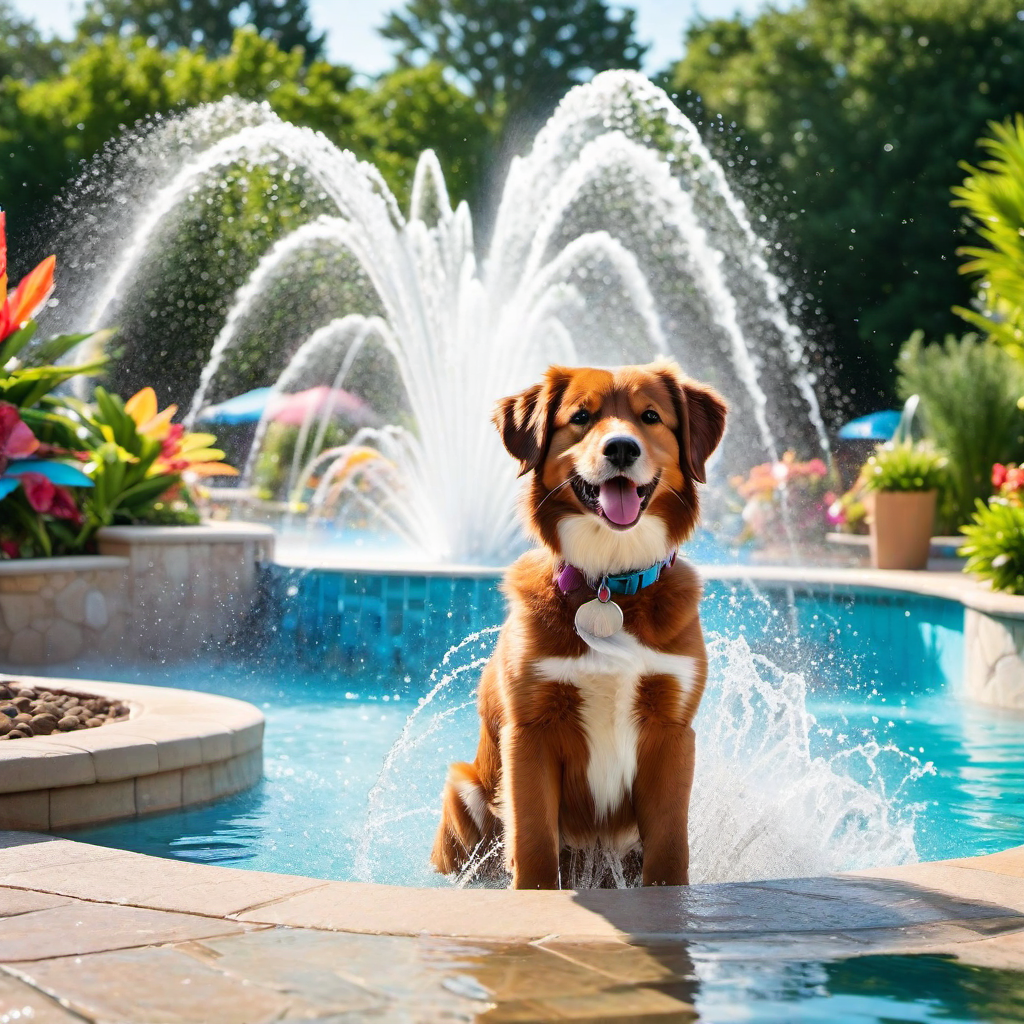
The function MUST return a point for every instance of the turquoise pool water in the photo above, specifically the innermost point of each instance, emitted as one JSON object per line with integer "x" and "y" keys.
{"x": 831, "y": 736}
{"x": 852, "y": 738}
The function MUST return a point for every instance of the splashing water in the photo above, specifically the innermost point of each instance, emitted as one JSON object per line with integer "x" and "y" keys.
{"x": 616, "y": 238}
{"x": 763, "y": 804}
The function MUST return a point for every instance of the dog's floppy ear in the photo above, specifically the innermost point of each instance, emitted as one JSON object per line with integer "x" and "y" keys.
{"x": 700, "y": 418}
{"x": 525, "y": 420}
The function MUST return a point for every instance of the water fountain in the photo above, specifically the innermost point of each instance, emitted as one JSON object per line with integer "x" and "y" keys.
{"x": 616, "y": 238}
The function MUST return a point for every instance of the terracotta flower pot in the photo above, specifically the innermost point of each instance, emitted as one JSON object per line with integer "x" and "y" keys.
{"x": 901, "y": 528}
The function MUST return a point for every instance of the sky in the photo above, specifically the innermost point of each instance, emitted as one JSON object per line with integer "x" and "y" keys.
{"x": 351, "y": 38}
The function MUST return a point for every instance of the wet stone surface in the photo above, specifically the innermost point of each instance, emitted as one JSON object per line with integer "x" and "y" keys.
{"x": 26, "y": 712}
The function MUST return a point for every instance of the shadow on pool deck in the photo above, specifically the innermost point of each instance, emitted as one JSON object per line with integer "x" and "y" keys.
{"x": 829, "y": 916}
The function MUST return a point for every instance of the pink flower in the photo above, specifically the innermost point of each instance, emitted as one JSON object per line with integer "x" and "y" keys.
{"x": 16, "y": 440}
{"x": 998, "y": 475}
{"x": 48, "y": 499}
{"x": 10, "y": 549}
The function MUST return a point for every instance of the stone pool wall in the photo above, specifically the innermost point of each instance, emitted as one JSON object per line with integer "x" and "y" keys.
{"x": 994, "y": 658}
{"x": 152, "y": 592}
{"x": 189, "y": 586}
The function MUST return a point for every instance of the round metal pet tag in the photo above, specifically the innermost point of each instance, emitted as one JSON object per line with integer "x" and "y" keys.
{"x": 598, "y": 618}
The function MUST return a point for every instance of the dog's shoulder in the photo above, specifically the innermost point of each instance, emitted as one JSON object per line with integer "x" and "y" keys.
{"x": 528, "y": 581}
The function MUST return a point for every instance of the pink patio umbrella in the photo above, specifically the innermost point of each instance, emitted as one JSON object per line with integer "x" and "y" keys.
{"x": 294, "y": 408}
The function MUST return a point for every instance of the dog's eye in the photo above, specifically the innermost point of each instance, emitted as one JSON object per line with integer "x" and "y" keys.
{"x": 650, "y": 416}
{"x": 580, "y": 417}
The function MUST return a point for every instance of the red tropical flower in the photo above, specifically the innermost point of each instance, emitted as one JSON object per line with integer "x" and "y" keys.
{"x": 30, "y": 295}
{"x": 16, "y": 440}
{"x": 48, "y": 499}
{"x": 10, "y": 549}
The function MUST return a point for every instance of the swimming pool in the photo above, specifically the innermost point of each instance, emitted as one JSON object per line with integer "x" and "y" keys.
{"x": 831, "y": 737}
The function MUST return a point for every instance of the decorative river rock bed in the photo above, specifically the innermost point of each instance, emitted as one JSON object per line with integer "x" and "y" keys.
{"x": 27, "y": 711}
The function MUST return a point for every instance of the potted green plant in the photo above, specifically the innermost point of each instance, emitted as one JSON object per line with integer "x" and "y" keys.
{"x": 902, "y": 481}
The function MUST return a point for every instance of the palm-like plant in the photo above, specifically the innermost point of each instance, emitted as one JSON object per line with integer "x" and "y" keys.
{"x": 993, "y": 196}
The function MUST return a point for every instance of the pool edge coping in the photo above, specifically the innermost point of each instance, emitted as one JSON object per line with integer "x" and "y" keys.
{"x": 983, "y": 893}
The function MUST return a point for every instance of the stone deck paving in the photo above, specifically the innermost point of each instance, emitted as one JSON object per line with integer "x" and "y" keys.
{"x": 103, "y": 935}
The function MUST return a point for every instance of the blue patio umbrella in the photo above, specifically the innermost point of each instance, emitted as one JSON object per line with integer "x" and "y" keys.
{"x": 246, "y": 408}
{"x": 876, "y": 426}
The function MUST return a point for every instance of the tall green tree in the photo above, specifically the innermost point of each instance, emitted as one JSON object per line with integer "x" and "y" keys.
{"x": 24, "y": 53}
{"x": 48, "y": 128}
{"x": 518, "y": 56}
{"x": 859, "y": 111}
{"x": 210, "y": 24}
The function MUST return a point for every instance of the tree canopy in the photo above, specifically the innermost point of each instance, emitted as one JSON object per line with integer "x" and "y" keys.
{"x": 210, "y": 24}
{"x": 518, "y": 56}
{"x": 23, "y": 51}
{"x": 48, "y": 127}
{"x": 860, "y": 110}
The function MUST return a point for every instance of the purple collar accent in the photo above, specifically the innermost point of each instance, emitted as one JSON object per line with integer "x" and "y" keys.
{"x": 569, "y": 578}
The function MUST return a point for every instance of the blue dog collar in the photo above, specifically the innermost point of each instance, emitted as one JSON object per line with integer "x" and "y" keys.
{"x": 631, "y": 582}
{"x": 571, "y": 578}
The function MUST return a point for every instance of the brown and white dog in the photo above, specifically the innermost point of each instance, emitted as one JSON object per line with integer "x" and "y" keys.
{"x": 587, "y": 740}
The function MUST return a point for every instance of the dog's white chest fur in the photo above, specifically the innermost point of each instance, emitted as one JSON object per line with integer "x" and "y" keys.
{"x": 608, "y": 677}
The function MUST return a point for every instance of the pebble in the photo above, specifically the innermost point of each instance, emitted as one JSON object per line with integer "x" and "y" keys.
{"x": 26, "y": 712}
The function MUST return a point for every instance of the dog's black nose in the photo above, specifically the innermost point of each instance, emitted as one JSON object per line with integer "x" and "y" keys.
{"x": 621, "y": 452}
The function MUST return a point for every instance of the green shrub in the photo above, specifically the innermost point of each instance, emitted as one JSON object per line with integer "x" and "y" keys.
{"x": 905, "y": 467}
{"x": 969, "y": 391}
{"x": 995, "y": 546}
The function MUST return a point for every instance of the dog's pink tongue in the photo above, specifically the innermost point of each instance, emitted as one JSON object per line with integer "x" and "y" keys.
{"x": 620, "y": 501}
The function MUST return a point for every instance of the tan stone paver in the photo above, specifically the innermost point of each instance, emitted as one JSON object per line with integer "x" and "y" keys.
{"x": 24, "y": 901}
{"x": 23, "y": 1004}
{"x": 367, "y": 970}
{"x": 162, "y": 986}
{"x": 118, "y": 876}
{"x": 622, "y": 961}
{"x": 395, "y": 910}
{"x": 77, "y": 927}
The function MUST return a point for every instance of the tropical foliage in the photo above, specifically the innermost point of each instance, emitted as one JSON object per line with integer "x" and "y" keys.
{"x": 993, "y": 196}
{"x": 969, "y": 391}
{"x": 68, "y": 467}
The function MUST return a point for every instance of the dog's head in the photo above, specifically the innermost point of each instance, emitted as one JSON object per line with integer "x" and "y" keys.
{"x": 615, "y": 456}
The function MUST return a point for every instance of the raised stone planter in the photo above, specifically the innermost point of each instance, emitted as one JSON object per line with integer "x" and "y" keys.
{"x": 188, "y": 585}
{"x": 57, "y": 609}
{"x": 151, "y": 592}
{"x": 176, "y": 748}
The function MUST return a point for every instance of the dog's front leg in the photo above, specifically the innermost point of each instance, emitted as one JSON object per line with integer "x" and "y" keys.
{"x": 532, "y": 782}
{"x": 661, "y": 801}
